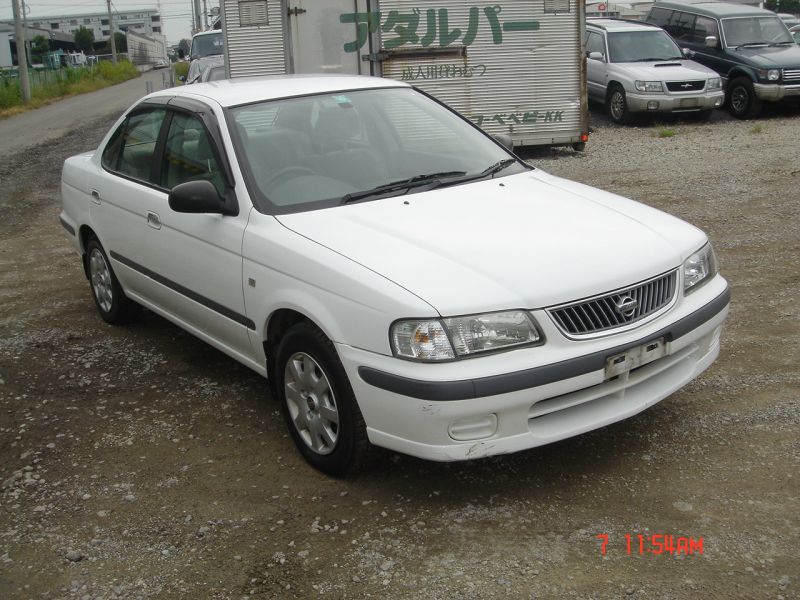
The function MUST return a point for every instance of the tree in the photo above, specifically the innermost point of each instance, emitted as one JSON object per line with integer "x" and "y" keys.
{"x": 84, "y": 38}
{"x": 40, "y": 46}
{"x": 120, "y": 41}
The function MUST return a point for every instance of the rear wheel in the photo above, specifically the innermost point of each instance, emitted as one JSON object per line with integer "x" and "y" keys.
{"x": 742, "y": 100}
{"x": 617, "y": 106}
{"x": 111, "y": 302}
{"x": 318, "y": 403}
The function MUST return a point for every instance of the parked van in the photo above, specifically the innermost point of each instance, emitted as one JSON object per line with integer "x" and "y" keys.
{"x": 749, "y": 47}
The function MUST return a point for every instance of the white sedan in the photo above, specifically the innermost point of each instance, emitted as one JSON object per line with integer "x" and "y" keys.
{"x": 401, "y": 278}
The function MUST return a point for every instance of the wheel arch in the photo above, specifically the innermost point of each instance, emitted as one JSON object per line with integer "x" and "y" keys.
{"x": 611, "y": 85}
{"x": 738, "y": 71}
{"x": 278, "y": 323}
{"x": 85, "y": 233}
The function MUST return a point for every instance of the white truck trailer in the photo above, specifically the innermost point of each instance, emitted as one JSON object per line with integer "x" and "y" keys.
{"x": 514, "y": 67}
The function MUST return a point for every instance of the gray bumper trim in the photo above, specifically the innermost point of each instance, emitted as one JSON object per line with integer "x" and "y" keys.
{"x": 520, "y": 380}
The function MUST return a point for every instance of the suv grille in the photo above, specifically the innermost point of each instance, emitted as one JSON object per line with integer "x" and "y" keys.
{"x": 616, "y": 309}
{"x": 791, "y": 75}
{"x": 685, "y": 86}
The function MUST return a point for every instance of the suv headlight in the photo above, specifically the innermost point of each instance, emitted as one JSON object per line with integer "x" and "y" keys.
{"x": 769, "y": 74}
{"x": 649, "y": 86}
{"x": 457, "y": 337}
{"x": 699, "y": 268}
{"x": 715, "y": 83}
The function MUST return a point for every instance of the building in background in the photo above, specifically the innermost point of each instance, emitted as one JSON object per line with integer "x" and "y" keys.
{"x": 142, "y": 22}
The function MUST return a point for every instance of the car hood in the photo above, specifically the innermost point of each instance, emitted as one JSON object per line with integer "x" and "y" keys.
{"x": 765, "y": 57}
{"x": 523, "y": 241}
{"x": 671, "y": 70}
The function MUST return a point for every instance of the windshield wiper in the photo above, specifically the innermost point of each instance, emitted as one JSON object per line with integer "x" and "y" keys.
{"x": 779, "y": 44}
{"x": 495, "y": 168}
{"x": 751, "y": 44}
{"x": 659, "y": 59}
{"x": 409, "y": 183}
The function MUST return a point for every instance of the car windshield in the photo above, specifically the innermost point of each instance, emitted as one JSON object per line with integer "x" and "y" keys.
{"x": 755, "y": 31}
{"x": 640, "y": 46}
{"x": 329, "y": 149}
{"x": 206, "y": 45}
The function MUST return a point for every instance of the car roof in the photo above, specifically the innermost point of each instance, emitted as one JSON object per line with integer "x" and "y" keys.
{"x": 202, "y": 33}
{"x": 247, "y": 90}
{"x": 715, "y": 9}
{"x": 620, "y": 24}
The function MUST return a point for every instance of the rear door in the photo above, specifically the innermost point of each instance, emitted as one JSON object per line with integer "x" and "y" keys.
{"x": 319, "y": 38}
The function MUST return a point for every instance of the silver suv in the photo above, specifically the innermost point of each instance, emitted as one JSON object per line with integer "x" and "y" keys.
{"x": 636, "y": 67}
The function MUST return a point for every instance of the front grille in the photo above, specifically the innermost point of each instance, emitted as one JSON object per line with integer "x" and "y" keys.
{"x": 791, "y": 75}
{"x": 616, "y": 309}
{"x": 685, "y": 86}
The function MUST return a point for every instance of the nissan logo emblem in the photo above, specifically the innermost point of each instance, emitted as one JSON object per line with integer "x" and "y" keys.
{"x": 626, "y": 306}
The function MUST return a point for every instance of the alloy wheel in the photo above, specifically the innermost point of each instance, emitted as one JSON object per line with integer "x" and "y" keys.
{"x": 100, "y": 276}
{"x": 311, "y": 403}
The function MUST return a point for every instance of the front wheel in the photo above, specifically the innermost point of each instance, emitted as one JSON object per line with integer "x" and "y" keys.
{"x": 318, "y": 403}
{"x": 617, "y": 106}
{"x": 742, "y": 100}
{"x": 111, "y": 302}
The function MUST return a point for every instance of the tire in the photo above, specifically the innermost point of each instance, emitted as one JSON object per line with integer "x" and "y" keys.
{"x": 742, "y": 100}
{"x": 579, "y": 146}
{"x": 318, "y": 404}
{"x": 111, "y": 302}
{"x": 617, "y": 106}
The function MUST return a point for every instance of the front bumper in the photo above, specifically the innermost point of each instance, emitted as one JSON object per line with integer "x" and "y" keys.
{"x": 772, "y": 92}
{"x": 501, "y": 404}
{"x": 667, "y": 103}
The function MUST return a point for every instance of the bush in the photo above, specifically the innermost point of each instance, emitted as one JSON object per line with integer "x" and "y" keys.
{"x": 49, "y": 85}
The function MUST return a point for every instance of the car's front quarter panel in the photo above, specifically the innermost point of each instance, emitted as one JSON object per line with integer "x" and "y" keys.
{"x": 350, "y": 303}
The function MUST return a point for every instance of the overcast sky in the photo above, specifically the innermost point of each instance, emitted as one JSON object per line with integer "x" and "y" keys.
{"x": 176, "y": 15}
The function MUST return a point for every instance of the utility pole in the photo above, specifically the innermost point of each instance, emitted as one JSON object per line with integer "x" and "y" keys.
{"x": 111, "y": 33}
{"x": 22, "y": 60}
{"x": 205, "y": 15}
{"x": 25, "y": 27}
{"x": 197, "y": 19}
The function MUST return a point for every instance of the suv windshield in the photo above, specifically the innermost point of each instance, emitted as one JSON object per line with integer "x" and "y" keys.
{"x": 640, "y": 46}
{"x": 206, "y": 45}
{"x": 746, "y": 31}
{"x": 330, "y": 149}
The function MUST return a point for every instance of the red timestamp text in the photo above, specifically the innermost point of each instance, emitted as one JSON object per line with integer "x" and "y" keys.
{"x": 655, "y": 543}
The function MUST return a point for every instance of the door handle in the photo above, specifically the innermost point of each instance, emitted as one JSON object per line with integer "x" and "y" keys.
{"x": 96, "y": 197}
{"x": 153, "y": 220}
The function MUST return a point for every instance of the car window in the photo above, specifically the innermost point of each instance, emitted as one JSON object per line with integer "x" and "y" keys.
{"x": 137, "y": 144}
{"x": 310, "y": 152}
{"x": 659, "y": 16}
{"x": 755, "y": 30}
{"x": 633, "y": 46}
{"x": 206, "y": 45}
{"x": 189, "y": 154}
{"x": 703, "y": 27}
{"x": 681, "y": 26}
{"x": 594, "y": 43}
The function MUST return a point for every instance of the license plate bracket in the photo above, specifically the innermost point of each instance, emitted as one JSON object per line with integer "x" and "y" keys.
{"x": 689, "y": 102}
{"x": 635, "y": 357}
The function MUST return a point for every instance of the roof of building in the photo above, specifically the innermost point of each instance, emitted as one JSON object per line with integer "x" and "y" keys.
{"x": 248, "y": 90}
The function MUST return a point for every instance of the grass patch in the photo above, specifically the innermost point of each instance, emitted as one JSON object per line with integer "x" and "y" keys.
{"x": 756, "y": 129}
{"x": 49, "y": 86}
{"x": 664, "y": 133}
{"x": 181, "y": 69}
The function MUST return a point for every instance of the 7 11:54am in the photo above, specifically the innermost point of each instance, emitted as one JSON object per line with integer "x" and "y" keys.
{"x": 656, "y": 543}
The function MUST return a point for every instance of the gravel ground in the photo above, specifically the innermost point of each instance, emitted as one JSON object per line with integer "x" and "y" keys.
{"x": 140, "y": 463}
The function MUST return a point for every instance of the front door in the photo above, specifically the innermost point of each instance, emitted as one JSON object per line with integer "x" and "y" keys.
{"x": 321, "y": 41}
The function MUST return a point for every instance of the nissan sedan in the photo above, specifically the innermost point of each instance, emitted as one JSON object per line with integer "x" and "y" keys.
{"x": 402, "y": 279}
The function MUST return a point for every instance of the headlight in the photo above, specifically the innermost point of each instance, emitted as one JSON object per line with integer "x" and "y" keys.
{"x": 434, "y": 340}
{"x": 769, "y": 75}
{"x": 699, "y": 268}
{"x": 714, "y": 83}
{"x": 649, "y": 86}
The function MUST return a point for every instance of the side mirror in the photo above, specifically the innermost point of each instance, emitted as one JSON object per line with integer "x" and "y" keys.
{"x": 596, "y": 56}
{"x": 196, "y": 197}
{"x": 711, "y": 41}
{"x": 688, "y": 52}
{"x": 505, "y": 140}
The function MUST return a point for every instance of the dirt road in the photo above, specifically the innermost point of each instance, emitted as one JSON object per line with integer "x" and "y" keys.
{"x": 140, "y": 463}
